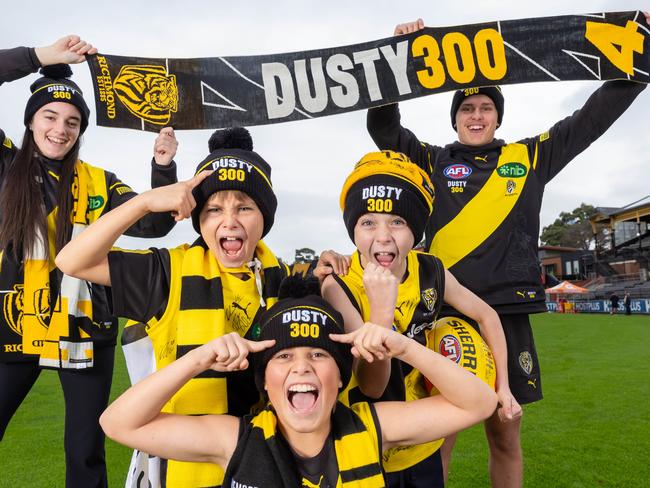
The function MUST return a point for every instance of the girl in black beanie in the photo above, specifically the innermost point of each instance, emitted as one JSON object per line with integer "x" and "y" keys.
{"x": 47, "y": 195}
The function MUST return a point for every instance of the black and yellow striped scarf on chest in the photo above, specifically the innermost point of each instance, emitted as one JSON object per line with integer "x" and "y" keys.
{"x": 212, "y": 301}
{"x": 207, "y": 301}
{"x": 262, "y": 459}
{"x": 55, "y": 328}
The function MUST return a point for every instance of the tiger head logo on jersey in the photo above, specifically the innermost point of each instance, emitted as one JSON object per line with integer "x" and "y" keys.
{"x": 148, "y": 92}
{"x": 429, "y": 297}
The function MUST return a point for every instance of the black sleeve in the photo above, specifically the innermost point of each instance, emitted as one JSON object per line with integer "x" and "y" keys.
{"x": 139, "y": 283}
{"x": 14, "y": 64}
{"x": 153, "y": 224}
{"x": 383, "y": 124}
{"x": 569, "y": 137}
{"x": 7, "y": 153}
{"x": 17, "y": 62}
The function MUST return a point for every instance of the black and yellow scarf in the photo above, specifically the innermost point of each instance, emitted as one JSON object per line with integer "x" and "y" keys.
{"x": 263, "y": 460}
{"x": 55, "y": 328}
{"x": 197, "y": 312}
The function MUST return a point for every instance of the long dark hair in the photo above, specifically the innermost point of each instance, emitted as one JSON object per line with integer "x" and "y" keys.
{"x": 22, "y": 203}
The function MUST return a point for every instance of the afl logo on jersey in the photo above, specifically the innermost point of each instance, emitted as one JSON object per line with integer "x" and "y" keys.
{"x": 457, "y": 171}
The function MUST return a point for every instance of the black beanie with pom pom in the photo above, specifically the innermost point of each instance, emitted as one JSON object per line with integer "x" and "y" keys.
{"x": 236, "y": 167}
{"x": 301, "y": 318}
{"x": 56, "y": 86}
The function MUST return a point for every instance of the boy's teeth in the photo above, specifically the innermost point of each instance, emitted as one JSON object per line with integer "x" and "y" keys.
{"x": 301, "y": 388}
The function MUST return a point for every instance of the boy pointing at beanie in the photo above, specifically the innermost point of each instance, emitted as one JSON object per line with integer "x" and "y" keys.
{"x": 386, "y": 201}
{"x": 194, "y": 293}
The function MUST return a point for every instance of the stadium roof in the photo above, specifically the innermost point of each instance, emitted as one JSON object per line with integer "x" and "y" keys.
{"x": 638, "y": 210}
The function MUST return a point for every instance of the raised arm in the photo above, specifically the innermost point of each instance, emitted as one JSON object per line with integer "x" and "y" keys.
{"x": 86, "y": 256}
{"x": 163, "y": 173}
{"x": 380, "y": 286}
{"x": 135, "y": 418}
{"x": 464, "y": 399}
{"x": 572, "y": 135}
{"x": 473, "y": 307}
{"x": 384, "y": 123}
{"x": 21, "y": 61}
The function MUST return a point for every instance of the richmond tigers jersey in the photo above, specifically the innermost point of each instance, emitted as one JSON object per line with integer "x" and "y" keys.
{"x": 485, "y": 221}
{"x": 419, "y": 300}
{"x": 350, "y": 457}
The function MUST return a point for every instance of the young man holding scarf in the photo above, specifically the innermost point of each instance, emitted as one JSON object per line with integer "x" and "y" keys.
{"x": 485, "y": 226}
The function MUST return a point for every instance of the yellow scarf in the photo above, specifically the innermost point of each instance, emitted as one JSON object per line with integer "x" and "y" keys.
{"x": 197, "y": 313}
{"x": 55, "y": 333}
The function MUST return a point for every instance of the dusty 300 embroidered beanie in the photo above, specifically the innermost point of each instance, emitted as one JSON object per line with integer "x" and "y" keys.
{"x": 236, "y": 167}
{"x": 387, "y": 182}
{"x": 493, "y": 92}
{"x": 301, "y": 318}
{"x": 56, "y": 86}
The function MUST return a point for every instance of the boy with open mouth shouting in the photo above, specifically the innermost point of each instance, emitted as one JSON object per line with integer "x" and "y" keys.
{"x": 386, "y": 201}
{"x": 304, "y": 437}
{"x": 191, "y": 294}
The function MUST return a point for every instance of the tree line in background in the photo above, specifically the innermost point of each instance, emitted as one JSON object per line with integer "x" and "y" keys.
{"x": 572, "y": 229}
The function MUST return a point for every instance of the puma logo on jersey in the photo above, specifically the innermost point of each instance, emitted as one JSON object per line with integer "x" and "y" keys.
{"x": 533, "y": 383}
{"x": 481, "y": 158}
{"x": 239, "y": 307}
{"x": 308, "y": 484}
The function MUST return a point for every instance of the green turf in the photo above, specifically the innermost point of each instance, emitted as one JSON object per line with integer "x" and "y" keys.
{"x": 591, "y": 430}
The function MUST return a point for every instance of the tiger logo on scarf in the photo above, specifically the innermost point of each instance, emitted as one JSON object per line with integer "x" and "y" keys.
{"x": 148, "y": 92}
{"x": 13, "y": 307}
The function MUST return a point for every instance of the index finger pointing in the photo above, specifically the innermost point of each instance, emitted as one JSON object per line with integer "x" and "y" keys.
{"x": 257, "y": 346}
{"x": 197, "y": 179}
{"x": 343, "y": 338}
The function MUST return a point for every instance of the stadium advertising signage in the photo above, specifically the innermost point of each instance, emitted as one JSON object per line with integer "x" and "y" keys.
{"x": 200, "y": 93}
{"x": 637, "y": 305}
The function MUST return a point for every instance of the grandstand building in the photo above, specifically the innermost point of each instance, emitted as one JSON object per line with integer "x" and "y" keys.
{"x": 618, "y": 264}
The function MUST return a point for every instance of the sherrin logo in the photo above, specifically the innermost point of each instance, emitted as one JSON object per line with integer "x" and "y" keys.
{"x": 512, "y": 170}
{"x": 457, "y": 171}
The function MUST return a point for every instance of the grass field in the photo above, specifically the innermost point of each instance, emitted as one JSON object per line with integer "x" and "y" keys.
{"x": 591, "y": 430}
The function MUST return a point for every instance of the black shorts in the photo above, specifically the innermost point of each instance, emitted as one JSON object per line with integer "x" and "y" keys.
{"x": 524, "y": 376}
{"x": 425, "y": 474}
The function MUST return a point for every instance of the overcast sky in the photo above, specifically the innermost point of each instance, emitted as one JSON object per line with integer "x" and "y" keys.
{"x": 311, "y": 159}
